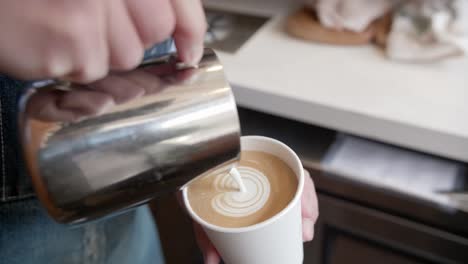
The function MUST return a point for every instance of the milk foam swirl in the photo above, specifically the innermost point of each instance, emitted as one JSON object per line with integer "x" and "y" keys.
{"x": 234, "y": 203}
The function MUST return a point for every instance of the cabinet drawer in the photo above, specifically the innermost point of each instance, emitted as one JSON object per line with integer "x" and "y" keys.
{"x": 350, "y": 233}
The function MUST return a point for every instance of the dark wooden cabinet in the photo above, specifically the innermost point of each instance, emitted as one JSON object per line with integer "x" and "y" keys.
{"x": 349, "y": 233}
{"x": 343, "y": 248}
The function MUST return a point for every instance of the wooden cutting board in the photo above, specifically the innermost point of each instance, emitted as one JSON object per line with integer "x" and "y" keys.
{"x": 304, "y": 24}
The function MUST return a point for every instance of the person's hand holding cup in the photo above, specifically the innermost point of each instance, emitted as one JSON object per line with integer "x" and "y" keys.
{"x": 274, "y": 239}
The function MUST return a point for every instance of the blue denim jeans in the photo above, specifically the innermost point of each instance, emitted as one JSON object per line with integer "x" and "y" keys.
{"x": 28, "y": 235}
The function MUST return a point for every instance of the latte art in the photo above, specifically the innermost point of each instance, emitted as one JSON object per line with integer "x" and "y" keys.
{"x": 269, "y": 185}
{"x": 237, "y": 203}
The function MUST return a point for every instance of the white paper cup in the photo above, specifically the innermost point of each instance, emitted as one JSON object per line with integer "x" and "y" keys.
{"x": 277, "y": 240}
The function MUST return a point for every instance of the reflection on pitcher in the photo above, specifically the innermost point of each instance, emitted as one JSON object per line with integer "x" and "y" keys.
{"x": 128, "y": 137}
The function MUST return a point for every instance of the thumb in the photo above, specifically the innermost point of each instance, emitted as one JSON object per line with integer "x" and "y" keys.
{"x": 211, "y": 256}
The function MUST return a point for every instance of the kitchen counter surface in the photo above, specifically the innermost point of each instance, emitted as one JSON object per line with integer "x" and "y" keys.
{"x": 350, "y": 89}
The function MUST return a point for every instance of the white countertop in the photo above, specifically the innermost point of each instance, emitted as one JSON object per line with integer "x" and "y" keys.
{"x": 352, "y": 89}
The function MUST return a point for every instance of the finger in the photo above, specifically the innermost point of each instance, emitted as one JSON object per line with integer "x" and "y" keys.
{"x": 307, "y": 229}
{"x": 210, "y": 254}
{"x": 153, "y": 19}
{"x": 202, "y": 240}
{"x": 43, "y": 106}
{"x": 125, "y": 47}
{"x": 120, "y": 89}
{"x": 309, "y": 202}
{"x": 60, "y": 61}
{"x": 83, "y": 32}
{"x": 150, "y": 83}
{"x": 190, "y": 30}
{"x": 85, "y": 102}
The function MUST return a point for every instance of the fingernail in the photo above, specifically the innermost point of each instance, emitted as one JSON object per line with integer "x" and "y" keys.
{"x": 307, "y": 229}
{"x": 108, "y": 103}
{"x": 195, "y": 55}
{"x": 212, "y": 258}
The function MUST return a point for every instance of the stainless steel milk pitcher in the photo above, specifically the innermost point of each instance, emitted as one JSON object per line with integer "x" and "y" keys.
{"x": 94, "y": 150}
